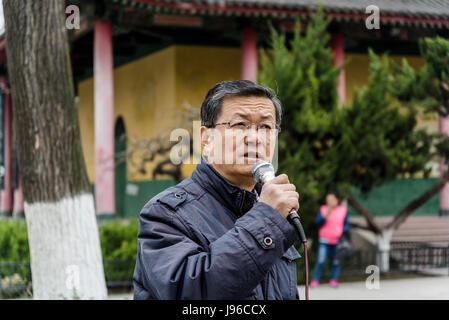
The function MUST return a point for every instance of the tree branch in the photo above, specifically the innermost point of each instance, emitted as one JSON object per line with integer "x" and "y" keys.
{"x": 372, "y": 225}
{"x": 418, "y": 202}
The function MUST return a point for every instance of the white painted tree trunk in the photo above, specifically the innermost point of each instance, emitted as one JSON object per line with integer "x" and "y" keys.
{"x": 65, "y": 252}
{"x": 383, "y": 249}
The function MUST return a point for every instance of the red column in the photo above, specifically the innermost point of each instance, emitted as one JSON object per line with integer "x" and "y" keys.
{"x": 104, "y": 118}
{"x": 7, "y": 192}
{"x": 249, "y": 55}
{"x": 444, "y": 192}
{"x": 17, "y": 211}
{"x": 338, "y": 48}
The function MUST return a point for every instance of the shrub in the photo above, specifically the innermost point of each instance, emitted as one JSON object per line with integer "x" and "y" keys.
{"x": 14, "y": 286}
{"x": 119, "y": 239}
{"x": 14, "y": 241}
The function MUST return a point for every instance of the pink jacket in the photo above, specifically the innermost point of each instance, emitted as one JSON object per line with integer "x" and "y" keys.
{"x": 333, "y": 225}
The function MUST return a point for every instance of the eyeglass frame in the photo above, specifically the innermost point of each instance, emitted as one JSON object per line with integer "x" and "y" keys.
{"x": 250, "y": 124}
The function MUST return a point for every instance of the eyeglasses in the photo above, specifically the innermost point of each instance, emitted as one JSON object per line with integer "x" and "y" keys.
{"x": 242, "y": 125}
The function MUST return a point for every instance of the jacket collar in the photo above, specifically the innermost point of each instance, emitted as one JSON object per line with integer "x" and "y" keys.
{"x": 235, "y": 198}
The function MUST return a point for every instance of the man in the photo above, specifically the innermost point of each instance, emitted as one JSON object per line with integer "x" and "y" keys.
{"x": 212, "y": 236}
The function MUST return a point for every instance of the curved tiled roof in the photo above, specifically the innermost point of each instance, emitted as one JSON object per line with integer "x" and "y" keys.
{"x": 413, "y": 8}
{"x": 434, "y": 11}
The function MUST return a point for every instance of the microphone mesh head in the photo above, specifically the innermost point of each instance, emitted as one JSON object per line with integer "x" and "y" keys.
{"x": 262, "y": 169}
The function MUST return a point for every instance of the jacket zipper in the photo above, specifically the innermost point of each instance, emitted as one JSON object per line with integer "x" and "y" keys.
{"x": 264, "y": 285}
{"x": 243, "y": 200}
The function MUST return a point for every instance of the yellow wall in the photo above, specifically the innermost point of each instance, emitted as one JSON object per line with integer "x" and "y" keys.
{"x": 198, "y": 68}
{"x": 143, "y": 96}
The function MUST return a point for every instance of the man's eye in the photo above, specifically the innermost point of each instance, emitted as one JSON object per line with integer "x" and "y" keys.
{"x": 266, "y": 126}
{"x": 239, "y": 125}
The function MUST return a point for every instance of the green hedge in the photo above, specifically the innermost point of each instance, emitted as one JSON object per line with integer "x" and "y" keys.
{"x": 118, "y": 240}
{"x": 14, "y": 241}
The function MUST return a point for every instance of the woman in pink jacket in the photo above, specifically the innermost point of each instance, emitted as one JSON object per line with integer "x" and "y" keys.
{"x": 332, "y": 220}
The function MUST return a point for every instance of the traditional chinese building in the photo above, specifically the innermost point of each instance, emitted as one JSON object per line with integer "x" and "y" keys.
{"x": 136, "y": 63}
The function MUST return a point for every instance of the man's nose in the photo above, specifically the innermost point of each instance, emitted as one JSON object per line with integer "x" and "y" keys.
{"x": 252, "y": 135}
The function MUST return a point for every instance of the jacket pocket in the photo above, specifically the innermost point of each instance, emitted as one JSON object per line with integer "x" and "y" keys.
{"x": 291, "y": 254}
{"x": 289, "y": 258}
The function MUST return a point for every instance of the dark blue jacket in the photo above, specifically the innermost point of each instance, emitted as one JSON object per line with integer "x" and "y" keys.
{"x": 208, "y": 239}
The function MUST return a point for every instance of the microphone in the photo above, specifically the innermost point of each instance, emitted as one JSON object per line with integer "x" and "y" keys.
{"x": 264, "y": 172}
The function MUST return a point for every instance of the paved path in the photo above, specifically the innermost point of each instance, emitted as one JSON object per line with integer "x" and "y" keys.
{"x": 423, "y": 288}
{"x": 121, "y": 296}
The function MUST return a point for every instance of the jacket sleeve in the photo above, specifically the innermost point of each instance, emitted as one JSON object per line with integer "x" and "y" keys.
{"x": 319, "y": 220}
{"x": 175, "y": 266}
{"x": 346, "y": 223}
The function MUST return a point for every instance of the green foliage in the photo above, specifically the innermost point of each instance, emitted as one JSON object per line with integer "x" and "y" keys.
{"x": 436, "y": 53}
{"x": 14, "y": 241}
{"x": 119, "y": 239}
{"x": 379, "y": 138}
{"x": 428, "y": 87}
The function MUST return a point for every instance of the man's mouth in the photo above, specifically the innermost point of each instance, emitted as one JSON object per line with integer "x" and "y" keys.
{"x": 252, "y": 155}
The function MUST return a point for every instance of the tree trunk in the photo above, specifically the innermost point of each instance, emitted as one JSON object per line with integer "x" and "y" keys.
{"x": 372, "y": 225}
{"x": 63, "y": 235}
{"x": 383, "y": 249}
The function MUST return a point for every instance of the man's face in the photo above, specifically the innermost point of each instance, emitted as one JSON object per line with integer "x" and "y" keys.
{"x": 233, "y": 148}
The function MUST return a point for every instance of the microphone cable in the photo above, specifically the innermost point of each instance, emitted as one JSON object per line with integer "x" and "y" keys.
{"x": 295, "y": 220}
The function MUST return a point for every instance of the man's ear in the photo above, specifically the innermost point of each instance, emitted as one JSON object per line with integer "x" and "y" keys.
{"x": 205, "y": 136}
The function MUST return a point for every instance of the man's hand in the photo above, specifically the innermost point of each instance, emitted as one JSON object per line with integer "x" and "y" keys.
{"x": 280, "y": 194}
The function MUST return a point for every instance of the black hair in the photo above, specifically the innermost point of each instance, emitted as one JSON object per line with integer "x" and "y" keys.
{"x": 334, "y": 192}
{"x": 211, "y": 106}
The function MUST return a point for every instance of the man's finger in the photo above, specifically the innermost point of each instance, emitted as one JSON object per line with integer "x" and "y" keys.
{"x": 294, "y": 204}
{"x": 280, "y": 179}
{"x": 286, "y": 187}
{"x": 291, "y": 194}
